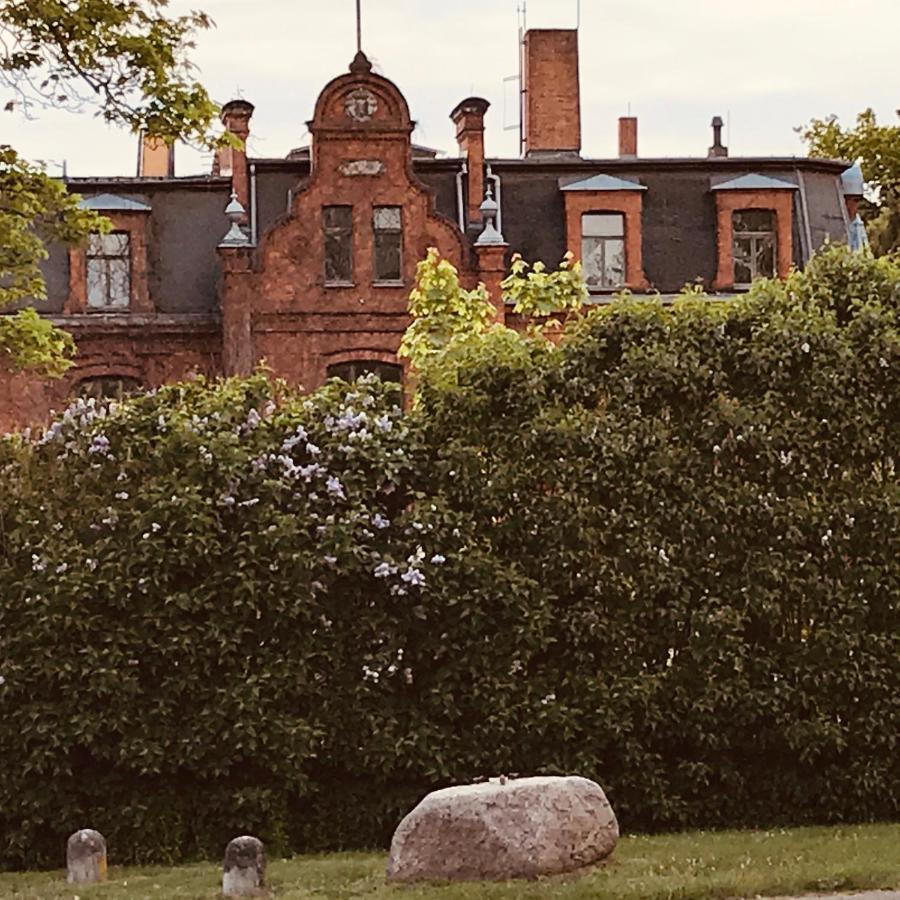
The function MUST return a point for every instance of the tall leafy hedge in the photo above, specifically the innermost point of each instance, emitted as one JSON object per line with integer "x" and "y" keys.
{"x": 662, "y": 553}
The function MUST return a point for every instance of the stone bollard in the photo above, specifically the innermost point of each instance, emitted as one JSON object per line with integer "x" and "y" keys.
{"x": 244, "y": 871}
{"x": 86, "y": 857}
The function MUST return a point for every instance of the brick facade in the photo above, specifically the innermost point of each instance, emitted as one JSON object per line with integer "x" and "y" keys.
{"x": 201, "y": 306}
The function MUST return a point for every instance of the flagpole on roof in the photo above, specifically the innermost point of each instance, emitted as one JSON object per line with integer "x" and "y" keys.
{"x": 359, "y": 26}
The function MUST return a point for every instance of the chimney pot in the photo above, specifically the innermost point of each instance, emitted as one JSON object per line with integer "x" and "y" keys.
{"x": 468, "y": 117}
{"x": 156, "y": 157}
{"x": 718, "y": 149}
{"x": 628, "y": 137}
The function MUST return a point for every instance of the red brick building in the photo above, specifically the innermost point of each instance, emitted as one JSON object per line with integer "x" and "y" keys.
{"x": 314, "y": 275}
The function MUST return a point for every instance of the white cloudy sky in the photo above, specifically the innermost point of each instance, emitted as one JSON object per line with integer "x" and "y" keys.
{"x": 766, "y": 65}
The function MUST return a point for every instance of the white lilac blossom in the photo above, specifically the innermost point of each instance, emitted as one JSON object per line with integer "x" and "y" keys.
{"x": 298, "y": 437}
{"x": 252, "y": 422}
{"x": 413, "y": 577}
{"x": 438, "y": 559}
{"x": 331, "y": 560}
{"x": 122, "y": 495}
{"x": 313, "y": 450}
{"x": 249, "y": 503}
{"x": 384, "y": 424}
{"x": 351, "y": 421}
{"x": 663, "y": 556}
{"x": 99, "y": 446}
{"x": 334, "y": 487}
{"x": 385, "y": 570}
{"x": 37, "y": 563}
{"x": 379, "y": 521}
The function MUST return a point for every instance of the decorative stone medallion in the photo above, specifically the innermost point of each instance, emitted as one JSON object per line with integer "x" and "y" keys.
{"x": 361, "y": 105}
{"x": 362, "y": 167}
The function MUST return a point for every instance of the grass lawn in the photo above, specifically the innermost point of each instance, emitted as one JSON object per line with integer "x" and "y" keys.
{"x": 683, "y": 866}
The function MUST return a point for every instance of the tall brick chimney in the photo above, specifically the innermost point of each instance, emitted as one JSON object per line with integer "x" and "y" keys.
{"x": 156, "y": 157}
{"x": 468, "y": 117}
{"x": 552, "y": 101}
{"x": 232, "y": 161}
{"x": 628, "y": 134}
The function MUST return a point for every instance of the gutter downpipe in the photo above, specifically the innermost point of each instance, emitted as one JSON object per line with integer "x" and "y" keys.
{"x": 254, "y": 230}
{"x": 460, "y": 203}
{"x": 806, "y": 232}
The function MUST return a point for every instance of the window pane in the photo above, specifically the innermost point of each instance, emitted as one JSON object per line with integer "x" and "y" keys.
{"x": 387, "y": 256}
{"x": 604, "y": 262}
{"x": 350, "y": 371}
{"x": 754, "y": 220}
{"x": 614, "y": 271}
{"x": 387, "y": 218}
{"x": 338, "y": 217}
{"x": 603, "y": 225}
{"x": 765, "y": 257}
{"x": 97, "y": 283}
{"x": 337, "y": 222}
{"x": 743, "y": 261}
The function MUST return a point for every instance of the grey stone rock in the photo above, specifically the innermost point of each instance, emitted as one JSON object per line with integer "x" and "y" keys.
{"x": 244, "y": 870}
{"x": 521, "y": 828}
{"x": 86, "y": 857}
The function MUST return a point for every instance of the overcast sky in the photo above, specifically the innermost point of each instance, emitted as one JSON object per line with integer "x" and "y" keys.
{"x": 764, "y": 65}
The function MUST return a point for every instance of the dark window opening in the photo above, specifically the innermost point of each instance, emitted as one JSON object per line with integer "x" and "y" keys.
{"x": 603, "y": 250}
{"x": 387, "y": 224}
{"x": 108, "y": 387}
{"x": 350, "y": 371}
{"x": 108, "y": 259}
{"x": 754, "y": 245}
{"x": 337, "y": 224}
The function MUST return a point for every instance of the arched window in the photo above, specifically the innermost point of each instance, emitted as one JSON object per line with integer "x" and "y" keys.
{"x": 108, "y": 387}
{"x": 356, "y": 368}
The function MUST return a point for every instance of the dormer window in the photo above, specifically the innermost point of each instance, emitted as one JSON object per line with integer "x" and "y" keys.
{"x": 108, "y": 262}
{"x": 387, "y": 225}
{"x": 754, "y": 245}
{"x": 603, "y": 250}
{"x": 337, "y": 225}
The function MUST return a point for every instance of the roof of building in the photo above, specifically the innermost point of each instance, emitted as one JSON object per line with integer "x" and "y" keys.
{"x": 755, "y": 182}
{"x": 113, "y": 203}
{"x": 601, "y": 183}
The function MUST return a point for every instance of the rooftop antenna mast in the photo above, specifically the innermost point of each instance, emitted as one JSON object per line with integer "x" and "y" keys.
{"x": 359, "y": 26}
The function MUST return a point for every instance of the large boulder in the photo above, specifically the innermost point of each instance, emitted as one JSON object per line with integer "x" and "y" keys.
{"x": 521, "y": 828}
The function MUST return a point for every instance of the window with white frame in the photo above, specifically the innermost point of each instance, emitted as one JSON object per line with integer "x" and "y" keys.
{"x": 754, "y": 245}
{"x": 603, "y": 250}
{"x": 387, "y": 225}
{"x": 108, "y": 260}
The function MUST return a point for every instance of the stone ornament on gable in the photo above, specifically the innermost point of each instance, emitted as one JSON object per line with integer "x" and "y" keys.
{"x": 362, "y": 167}
{"x": 361, "y": 105}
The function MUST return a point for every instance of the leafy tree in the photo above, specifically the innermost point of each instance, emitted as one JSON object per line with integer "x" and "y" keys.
{"x": 127, "y": 60}
{"x": 877, "y": 148}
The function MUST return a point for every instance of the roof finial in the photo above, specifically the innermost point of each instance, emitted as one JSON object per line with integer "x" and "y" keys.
{"x": 360, "y": 64}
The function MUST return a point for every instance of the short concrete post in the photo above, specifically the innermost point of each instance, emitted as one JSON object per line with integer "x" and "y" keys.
{"x": 244, "y": 872}
{"x": 86, "y": 857}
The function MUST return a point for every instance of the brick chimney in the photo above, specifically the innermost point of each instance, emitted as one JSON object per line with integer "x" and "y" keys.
{"x": 628, "y": 133}
{"x": 232, "y": 161}
{"x": 156, "y": 157}
{"x": 468, "y": 117}
{"x": 552, "y": 102}
{"x": 718, "y": 149}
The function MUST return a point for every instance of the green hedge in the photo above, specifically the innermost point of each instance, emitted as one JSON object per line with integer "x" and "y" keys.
{"x": 662, "y": 554}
